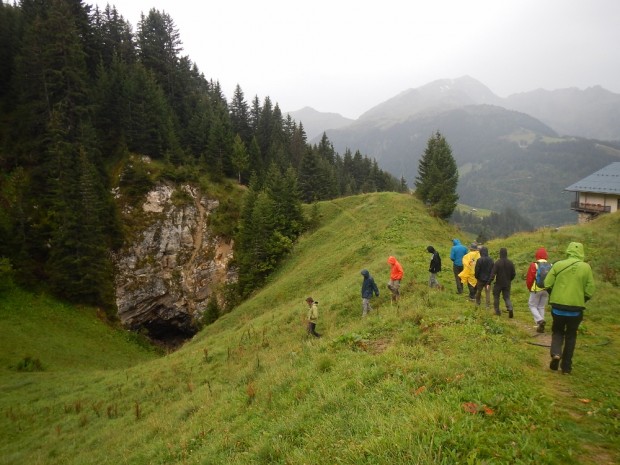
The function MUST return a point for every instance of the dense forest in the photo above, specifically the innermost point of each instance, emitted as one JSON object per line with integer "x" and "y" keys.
{"x": 81, "y": 93}
{"x": 502, "y": 224}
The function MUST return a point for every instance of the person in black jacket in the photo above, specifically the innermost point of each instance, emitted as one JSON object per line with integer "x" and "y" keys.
{"x": 369, "y": 287}
{"x": 484, "y": 267}
{"x": 434, "y": 267}
{"x": 503, "y": 273}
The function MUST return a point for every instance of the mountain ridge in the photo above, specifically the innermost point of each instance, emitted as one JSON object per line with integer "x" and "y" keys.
{"x": 559, "y": 108}
{"x": 493, "y": 146}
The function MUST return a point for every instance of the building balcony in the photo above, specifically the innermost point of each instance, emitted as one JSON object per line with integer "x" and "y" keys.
{"x": 590, "y": 207}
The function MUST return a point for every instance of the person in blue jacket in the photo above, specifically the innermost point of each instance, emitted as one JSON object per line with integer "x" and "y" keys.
{"x": 369, "y": 287}
{"x": 457, "y": 252}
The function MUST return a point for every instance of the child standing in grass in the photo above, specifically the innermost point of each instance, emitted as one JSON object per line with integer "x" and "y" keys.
{"x": 434, "y": 267}
{"x": 313, "y": 316}
{"x": 369, "y": 287}
{"x": 538, "y": 295}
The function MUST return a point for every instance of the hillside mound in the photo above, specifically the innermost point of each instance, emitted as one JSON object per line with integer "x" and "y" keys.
{"x": 431, "y": 379}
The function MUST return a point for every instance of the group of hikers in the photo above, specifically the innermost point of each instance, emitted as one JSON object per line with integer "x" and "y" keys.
{"x": 565, "y": 285}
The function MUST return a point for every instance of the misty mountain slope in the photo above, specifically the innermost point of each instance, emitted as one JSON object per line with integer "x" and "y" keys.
{"x": 434, "y": 97}
{"x": 498, "y": 152}
{"x": 593, "y": 112}
{"x": 315, "y": 123}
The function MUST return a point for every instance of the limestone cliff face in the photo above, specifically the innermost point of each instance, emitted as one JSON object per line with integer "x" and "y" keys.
{"x": 166, "y": 276}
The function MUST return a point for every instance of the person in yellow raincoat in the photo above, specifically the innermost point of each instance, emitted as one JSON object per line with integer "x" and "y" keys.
{"x": 468, "y": 275}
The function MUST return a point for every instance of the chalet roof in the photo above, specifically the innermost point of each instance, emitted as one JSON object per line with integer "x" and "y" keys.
{"x": 604, "y": 181}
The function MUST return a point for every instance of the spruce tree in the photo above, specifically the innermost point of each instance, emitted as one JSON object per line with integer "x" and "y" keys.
{"x": 437, "y": 177}
{"x": 239, "y": 158}
{"x": 240, "y": 116}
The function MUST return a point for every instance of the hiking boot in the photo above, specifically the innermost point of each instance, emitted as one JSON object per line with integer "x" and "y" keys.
{"x": 511, "y": 314}
{"x": 541, "y": 327}
{"x": 555, "y": 363}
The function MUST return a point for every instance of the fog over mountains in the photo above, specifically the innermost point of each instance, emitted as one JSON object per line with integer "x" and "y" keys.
{"x": 591, "y": 113}
{"x": 504, "y": 147}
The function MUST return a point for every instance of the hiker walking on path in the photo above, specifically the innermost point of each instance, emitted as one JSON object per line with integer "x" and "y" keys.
{"x": 571, "y": 285}
{"x": 313, "y": 316}
{"x": 503, "y": 273}
{"x": 369, "y": 287}
{"x": 483, "y": 270}
{"x": 457, "y": 252}
{"x": 434, "y": 267}
{"x": 468, "y": 275}
{"x": 396, "y": 275}
{"x": 538, "y": 294}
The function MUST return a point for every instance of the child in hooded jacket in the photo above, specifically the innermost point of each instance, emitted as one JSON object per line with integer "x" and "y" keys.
{"x": 369, "y": 287}
{"x": 538, "y": 295}
{"x": 434, "y": 267}
{"x": 396, "y": 274}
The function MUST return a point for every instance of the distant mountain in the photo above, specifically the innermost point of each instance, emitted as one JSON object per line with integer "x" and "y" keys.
{"x": 437, "y": 96}
{"x": 506, "y": 158}
{"x": 315, "y": 123}
{"x": 504, "y": 147}
{"x": 593, "y": 112}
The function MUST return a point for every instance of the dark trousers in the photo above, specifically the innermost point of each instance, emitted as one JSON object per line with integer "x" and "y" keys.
{"x": 472, "y": 291}
{"x": 482, "y": 286}
{"x": 312, "y": 329}
{"x": 456, "y": 270}
{"x": 564, "y": 333}
{"x": 505, "y": 291}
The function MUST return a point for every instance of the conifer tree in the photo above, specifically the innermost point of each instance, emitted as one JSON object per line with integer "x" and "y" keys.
{"x": 240, "y": 116}
{"x": 437, "y": 177}
{"x": 239, "y": 158}
{"x": 255, "y": 157}
{"x": 159, "y": 45}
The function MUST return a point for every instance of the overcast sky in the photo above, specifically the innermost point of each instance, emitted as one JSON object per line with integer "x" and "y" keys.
{"x": 346, "y": 56}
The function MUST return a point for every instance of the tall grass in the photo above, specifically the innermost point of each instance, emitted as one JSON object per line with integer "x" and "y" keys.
{"x": 432, "y": 380}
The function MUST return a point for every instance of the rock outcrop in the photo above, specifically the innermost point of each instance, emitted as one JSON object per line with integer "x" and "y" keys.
{"x": 168, "y": 273}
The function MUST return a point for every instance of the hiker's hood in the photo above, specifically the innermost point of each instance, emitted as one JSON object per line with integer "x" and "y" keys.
{"x": 391, "y": 260}
{"x": 456, "y": 242}
{"x": 365, "y": 273}
{"x": 430, "y": 249}
{"x": 484, "y": 252}
{"x": 575, "y": 250}
{"x": 541, "y": 254}
{"x": 503, "y": 252}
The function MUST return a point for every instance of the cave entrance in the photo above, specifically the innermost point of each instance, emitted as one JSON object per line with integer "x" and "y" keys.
{"x": 168, "y": 335}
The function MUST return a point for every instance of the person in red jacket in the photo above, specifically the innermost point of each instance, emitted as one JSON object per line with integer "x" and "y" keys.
{"x": 396, "y": 274}
{"x": 538, "y": 295}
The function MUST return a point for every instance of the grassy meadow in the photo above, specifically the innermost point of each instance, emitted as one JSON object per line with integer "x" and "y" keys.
{"x": 432, "y": 380}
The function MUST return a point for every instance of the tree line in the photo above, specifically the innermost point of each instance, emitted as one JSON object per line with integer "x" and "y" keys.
{"x": 80, "y": 91}
{"x": 502, "y": 224}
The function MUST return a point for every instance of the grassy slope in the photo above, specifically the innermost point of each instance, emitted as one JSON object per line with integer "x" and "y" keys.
{"x": 392, "y": 388}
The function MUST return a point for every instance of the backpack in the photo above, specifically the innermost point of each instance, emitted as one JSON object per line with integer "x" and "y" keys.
{"x": 542, "y": 269}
